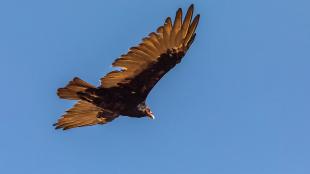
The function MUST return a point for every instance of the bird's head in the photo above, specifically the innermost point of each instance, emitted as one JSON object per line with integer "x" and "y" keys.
{"x": 143, "y": 108}
{"x": 149, "y": 113}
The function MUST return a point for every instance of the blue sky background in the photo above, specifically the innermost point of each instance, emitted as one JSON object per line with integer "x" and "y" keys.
{"x": 238, "y": 103}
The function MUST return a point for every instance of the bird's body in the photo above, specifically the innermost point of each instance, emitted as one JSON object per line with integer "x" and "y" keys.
{"x": 124, "y": 92}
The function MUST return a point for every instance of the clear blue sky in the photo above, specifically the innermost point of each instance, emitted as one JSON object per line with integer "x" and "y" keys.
{"x": 237, "y": 104}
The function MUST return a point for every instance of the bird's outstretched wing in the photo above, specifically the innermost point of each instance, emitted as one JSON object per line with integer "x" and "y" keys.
{"x": 81, "y": 114}
{"x": 144, "y": 65}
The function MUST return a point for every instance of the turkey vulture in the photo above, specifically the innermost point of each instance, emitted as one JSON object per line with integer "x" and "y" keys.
{"x": 124, "y": 91}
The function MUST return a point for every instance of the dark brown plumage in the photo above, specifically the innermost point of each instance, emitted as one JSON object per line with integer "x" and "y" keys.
{"x": 123, "y": 92}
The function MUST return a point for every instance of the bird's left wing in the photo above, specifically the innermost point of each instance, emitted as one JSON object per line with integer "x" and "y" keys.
{"x": 143, "y": 66}
{"x": 81, "y": 114}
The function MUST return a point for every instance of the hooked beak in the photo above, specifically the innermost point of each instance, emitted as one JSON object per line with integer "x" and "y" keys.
{"x": 150, "y": 114}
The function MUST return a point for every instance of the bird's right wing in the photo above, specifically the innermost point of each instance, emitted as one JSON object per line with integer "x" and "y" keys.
{"x": 82, "y": 114}
{"x": 144, "y": 65}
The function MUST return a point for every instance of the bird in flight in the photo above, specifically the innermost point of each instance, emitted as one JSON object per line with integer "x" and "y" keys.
{"x": 124, "y": 91}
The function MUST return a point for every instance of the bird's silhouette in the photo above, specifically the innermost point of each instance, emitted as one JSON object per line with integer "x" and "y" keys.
{"x": 124, "y": 91}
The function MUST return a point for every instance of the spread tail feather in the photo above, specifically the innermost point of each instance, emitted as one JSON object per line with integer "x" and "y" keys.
{"x": 70, "y": 92}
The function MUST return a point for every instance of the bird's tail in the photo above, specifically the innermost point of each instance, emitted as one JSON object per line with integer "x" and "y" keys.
{"x": 75, "y": 86}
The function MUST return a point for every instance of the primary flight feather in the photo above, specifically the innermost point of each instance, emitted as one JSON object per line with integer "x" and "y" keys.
{"x": 124, "y": 91}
